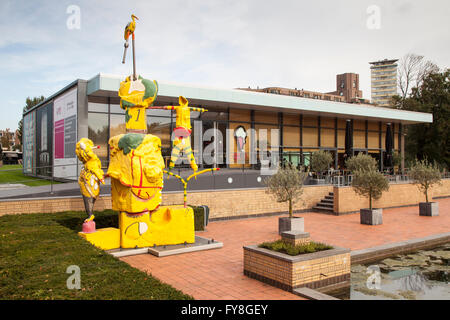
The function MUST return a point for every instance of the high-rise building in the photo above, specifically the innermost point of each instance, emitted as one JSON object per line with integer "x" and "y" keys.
{"x": 384, "y": 81}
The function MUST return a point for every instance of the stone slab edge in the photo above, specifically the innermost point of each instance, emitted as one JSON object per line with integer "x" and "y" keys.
{"x": 311, "y": 294}
{"x": 386, "y": 250}
{"x": 214, "y": 245}
{"x": 127, "y": 252}
{"x": 118, "y": 253}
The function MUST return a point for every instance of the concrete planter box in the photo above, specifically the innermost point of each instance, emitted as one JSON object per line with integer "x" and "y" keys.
{"x": 312, "y": 270}
{"x": 371, "y": 217}
{"x": 429, "y": 209}
{"x": 288, "y": 224}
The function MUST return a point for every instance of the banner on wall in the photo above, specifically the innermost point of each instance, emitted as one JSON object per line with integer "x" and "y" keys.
{"x": 29, "y": 150}
{"x": 65, "y": 135}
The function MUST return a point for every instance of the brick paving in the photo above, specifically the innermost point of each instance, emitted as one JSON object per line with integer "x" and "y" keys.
{"x": 218, "y": 274}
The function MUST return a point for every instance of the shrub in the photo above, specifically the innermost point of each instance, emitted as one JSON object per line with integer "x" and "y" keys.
{"x": 320, "y": 160}
{"x": 199, "y": 218}
{"x": 283, "y": 247}
{"x": 286, "y": 185}
{"x": 424, "y": 175}
{"x": 370, "y": 183}
{"x": 361, "y": 162}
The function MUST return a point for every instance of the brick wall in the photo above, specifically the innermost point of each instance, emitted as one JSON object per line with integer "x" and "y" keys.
{"x": 312, "y": 272}
{"x": 401, "y": 194}
{"x": 309, "y": 273}
{"x": 222, "y": 203}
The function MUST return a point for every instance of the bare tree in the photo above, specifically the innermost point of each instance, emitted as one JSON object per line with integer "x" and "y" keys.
{"x": 411, "y": 72}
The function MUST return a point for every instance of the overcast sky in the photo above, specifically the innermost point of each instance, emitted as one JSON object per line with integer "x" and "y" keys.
{"x": 226, "y": 44}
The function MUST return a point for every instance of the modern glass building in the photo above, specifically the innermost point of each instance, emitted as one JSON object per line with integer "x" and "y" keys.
{"x": 296, "y": 126}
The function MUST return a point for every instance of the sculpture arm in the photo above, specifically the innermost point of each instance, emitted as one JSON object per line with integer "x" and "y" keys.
{"x": 198, "y": 109}
{"x": 163, "y": 107}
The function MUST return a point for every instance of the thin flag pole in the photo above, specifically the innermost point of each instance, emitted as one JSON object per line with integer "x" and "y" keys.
{"x": 134, "y": 59}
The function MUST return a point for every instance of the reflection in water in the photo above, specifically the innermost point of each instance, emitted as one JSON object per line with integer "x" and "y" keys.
{"x": 421, "y": 275}
{"x": 415, "y": 282}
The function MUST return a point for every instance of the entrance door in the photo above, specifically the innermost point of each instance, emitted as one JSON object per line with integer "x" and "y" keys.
{"x": 214, "y": 142}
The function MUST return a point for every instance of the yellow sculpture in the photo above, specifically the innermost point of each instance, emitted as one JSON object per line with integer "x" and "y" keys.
{"x": 182, "y": 132}
{"x": 129, "y": 30}
{"x": 91, "y": 175}
{"x": 135, "y": 97}
{"x": 130, "y": 27}
{"x": 136, "y": 170}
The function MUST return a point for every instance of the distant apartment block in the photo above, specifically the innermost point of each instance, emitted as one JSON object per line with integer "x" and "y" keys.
{"x": 298, "y": 93}
{"x": 347, "y": 90}
{"x": 383, "y": 81}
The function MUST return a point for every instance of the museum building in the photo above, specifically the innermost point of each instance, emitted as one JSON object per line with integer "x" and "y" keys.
{"x": 90, "y": 108}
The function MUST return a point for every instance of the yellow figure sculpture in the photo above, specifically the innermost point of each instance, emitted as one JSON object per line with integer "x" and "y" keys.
{"x": 135, "y": 97}
{"x": 91, "y": 175}
{"x": 182, "y": 132}
{"x": 136, "y": 170}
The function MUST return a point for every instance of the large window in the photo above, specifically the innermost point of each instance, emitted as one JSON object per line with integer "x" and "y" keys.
{"x": 98, "y": 133}
{"x": 117, "y": 125}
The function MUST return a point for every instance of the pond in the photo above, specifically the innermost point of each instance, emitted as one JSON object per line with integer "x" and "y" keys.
{"x": 422, "y": 275}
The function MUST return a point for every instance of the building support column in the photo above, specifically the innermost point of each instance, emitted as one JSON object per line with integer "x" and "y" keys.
{"x": 280, "y": 141}
{"x": 402, "y": 149}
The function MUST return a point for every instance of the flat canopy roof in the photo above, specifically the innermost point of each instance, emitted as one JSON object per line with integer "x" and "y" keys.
{"x": 108, "y": 85}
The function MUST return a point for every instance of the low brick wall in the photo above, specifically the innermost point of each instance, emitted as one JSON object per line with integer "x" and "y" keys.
{"x": 222, "y": 203}
{"x": 313, "y": 270}
{"x": 400, "y": 194}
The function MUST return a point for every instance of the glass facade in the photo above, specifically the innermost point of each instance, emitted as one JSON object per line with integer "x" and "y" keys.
{"x": 296, "y": 135}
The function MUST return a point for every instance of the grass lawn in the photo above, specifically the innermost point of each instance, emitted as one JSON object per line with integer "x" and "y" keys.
{"x": 36, "y": 249}
{"x": 16, "y": 176}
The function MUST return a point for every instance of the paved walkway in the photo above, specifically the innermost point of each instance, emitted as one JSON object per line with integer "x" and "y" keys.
{"x": 218, "y": 274}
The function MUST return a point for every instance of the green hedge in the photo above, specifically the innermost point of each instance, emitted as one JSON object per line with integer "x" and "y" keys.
{"x": 199, "y": 218}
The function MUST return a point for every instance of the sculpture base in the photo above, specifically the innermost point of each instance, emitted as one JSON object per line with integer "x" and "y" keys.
{"x": 167, "y": 226}
{"x": 106, "y": 238}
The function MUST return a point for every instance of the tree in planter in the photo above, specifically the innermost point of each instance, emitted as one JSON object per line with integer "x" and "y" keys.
{"x": 287, "y": 186}
{"x": 425, "y": 175}
{"x": 320, "y": 160}
{"x": 361, "y": 162}
{"x": 370, "y": 183}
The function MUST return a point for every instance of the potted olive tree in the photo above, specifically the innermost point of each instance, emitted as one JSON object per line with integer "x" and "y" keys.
{"x": 361, "y": 162}
{"x": 320, "y": 161}
{"x": 424, "y": 175}
{"x": 286, "y": 185}
{"x": 370, "y": 183}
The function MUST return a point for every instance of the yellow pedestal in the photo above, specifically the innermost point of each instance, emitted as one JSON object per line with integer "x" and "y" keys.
{"x": 168, "y": 225}
{"x": 106, "y": 238}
